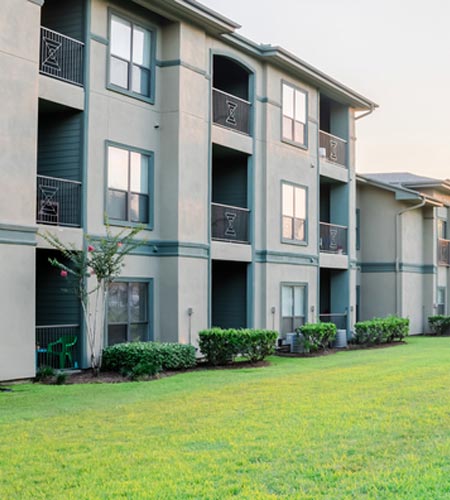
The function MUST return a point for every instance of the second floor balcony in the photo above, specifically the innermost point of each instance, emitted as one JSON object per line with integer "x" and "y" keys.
{"x": 333, "y": 238}
{"x": 333, "y": 148}
{"x": 230, "y": 223}
{"x": 61, "y": 57}
{"x": 443, "y": 252}
{"x": 58, "y": 201}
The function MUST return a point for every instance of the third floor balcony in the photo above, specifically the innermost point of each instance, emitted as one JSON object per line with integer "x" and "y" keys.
{"x": 61, "y": 57}
{"x": 333, "y": 148}
{"x": 231, "y": 111}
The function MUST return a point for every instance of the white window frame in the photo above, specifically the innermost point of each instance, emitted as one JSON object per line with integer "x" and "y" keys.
{"x": 294, "y": 118}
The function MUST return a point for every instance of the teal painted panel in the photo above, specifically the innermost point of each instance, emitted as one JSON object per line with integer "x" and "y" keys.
{"x": 60, "y": 145}
{"x": 229, "y": 294}
{"x": 65, "y": 17}
{"x": 56, "y": 304}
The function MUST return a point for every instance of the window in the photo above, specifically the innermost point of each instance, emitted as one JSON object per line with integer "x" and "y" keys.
{"x": 292, "y": 307}
{"x": 128, "y": 312}
{"x": 294, "y": 213}
{"x": 442, "y": 229}
{"x": 294, "y": 115}
{"x": 128, "y": 185}
{"x": 441, "y": 300}
{"x": 130, "y": 65}
{"x": 358, "y": 229}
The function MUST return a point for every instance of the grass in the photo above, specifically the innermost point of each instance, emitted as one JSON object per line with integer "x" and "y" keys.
{"x": 371, "y": 424}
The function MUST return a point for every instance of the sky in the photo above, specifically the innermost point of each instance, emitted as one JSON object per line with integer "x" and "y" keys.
{"x": 394, "y": 52}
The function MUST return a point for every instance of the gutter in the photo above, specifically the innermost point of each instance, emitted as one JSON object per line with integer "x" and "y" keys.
{"x": 367, "y": 113}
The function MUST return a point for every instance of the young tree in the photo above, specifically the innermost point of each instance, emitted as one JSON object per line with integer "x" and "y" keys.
{"x": 92, "y": 270}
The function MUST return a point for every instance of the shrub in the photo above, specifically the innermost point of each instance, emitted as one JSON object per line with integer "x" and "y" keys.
{"x": 439, "y": 324}
{"x": 147, "y": 358}
{"x": 221, "y": 346}
{"x": 380, "y": 330}
{"x": 317, "y": 336}
{"x": 45, "y": 374}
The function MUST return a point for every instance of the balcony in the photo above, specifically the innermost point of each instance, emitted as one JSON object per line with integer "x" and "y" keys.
{"x": 443, "y": 252}
{"x": 339, "y": 319}
{"x": 333, "y": 238}
{"x": 230, "y": 223}
{"x": 58, "y": 201}
{"x": 333, "y": 148}
{"x": 61, "y": 57}
{"x": 231, "y": 112}
{"x": 58, "y": 346}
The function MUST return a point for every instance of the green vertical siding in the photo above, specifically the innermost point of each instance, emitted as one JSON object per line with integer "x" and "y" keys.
{"x": 64, "y": 16}
{"x": 56, "y": 304}
{"x": 229, "y": 181}
{"x": 229, "y": 294}
{"x": 60, "y": 144}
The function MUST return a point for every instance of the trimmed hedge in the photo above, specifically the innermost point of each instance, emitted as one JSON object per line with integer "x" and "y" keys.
{"x": 439, "y": 324}
{"x": 147, "y": 358}
{"x": 316, "y": 336}
{"x": 381, "y": 330}
{"x": 221, "y": 347}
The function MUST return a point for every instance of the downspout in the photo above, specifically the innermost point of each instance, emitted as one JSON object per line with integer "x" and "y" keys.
{"x": 367, "y": 113}
{"x": 398, "y": 253}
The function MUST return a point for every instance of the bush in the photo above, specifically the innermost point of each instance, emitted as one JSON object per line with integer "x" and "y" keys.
{"x": 316, "y": 336}
{"x": 381, "y": 330}
{"x": 221, "y": 347}
{"x": 147, "y": 358}
{"x": 439, "y": 324}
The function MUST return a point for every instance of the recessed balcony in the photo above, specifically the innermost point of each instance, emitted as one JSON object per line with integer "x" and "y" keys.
{"x": 333, "y": 149}
{"x": 333, "y": 239}
{"x": 58, "y": 201}
{"x": 61, "y": 57}
{"x": 230, "y": 224}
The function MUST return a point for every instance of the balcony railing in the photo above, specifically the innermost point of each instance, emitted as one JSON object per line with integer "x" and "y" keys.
{"x": 333, "y": 238}
{"x": 339, "y": 319}
{"x": 231, "y": 111}
{"x": 58, "y": 201}
{"x": 333, "y": 148}
{"x": 58, "y": 346}
{"x": 61, "y": 57}
{"x": 230, "y": 223}
{"x": 443, "y": 252}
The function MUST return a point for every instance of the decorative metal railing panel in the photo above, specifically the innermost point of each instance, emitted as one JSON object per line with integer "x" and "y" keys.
{"x": 339, "y": 319}
{"x": 333, "y": 238}
{"x": 443, "y": 252}
{"x": 61, "y": 57}
{"x": 231, "y": 111}
{"x": 58, "y": 201}
{"x": 333, "y": 148}
{"x": 58, "y": 346}
{"x": 230, "y": 223}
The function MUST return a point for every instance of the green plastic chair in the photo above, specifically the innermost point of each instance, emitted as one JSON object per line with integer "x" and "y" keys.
{"x": 61, "y": 348}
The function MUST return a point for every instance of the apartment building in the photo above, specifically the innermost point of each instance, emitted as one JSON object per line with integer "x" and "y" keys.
{"x": 238, "y": 159}
{"x": 402, "y": 247}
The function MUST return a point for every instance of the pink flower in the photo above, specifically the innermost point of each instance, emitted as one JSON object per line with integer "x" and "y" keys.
{"x": 91, "y": 248}
{"x": 92, "y": 272}
{"x": 119, "y": 244}
{"x": 63, "y": 273}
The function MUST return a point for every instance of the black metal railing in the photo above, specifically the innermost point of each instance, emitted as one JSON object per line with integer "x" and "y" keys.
{"x": 333, "y": 148}
{"x": 230, "y": 223}
{"x": 443, "y": 252}
{"x": 58, "y": 346}
{"x": 61, "y": 57}
{"x": 58, "y": 201}
{"x": 231, "y": 111}
{"x": 339, "y": 319}
{"x": 333, "y": 238}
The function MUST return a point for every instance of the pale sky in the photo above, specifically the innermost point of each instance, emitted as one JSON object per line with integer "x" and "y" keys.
{"x": 394, "y": 52}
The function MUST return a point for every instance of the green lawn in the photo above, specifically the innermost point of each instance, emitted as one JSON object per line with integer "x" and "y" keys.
{"x": 361, "y": 424}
